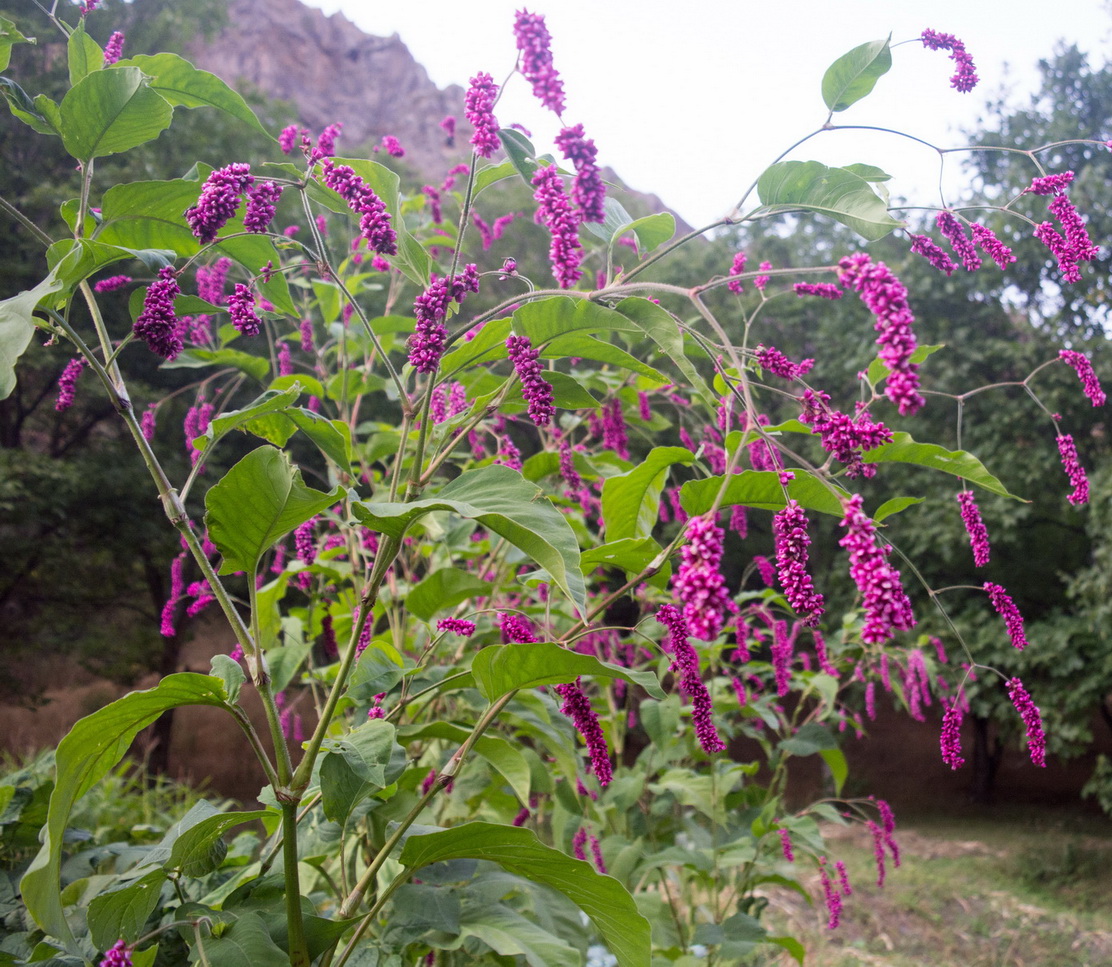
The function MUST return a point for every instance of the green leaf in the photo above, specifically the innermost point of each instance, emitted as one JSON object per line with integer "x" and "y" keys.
{"x": 505, "y": 502}
{"x": 762, "y": 489}
{"x": 9, "y": 37}
{"x": 491, "y": 174}
{"x": 254, "y": 366}
{"x": 270, "y": 401}
{"x": 84, "y": 54}
{"x": 652, "y": 230}
{"x": 231, "y": 674}
{"x": 657, "y": 323}
{"x": 332, "y": 437}
{"x": 489, "y": 344}
{"x": 791, "y": 945}
{"x": 421, "y": 907}
{"x": 443, "y": 589}
{"x": 511, "y": 935}
{"x": 121, "y": 913}
{"x": 612, "y": 910}
{"x": 894, "y": 506}
{"x": 854, "y": 75}
{"x": 836, "y": 761}
{"x": 110, "y": 111}
{"x": 41, "y": 117}
{"x": 17, "y": 326}
{"x": 835, "y": 192}
{"x": 183, "y": 85}
{"x": 588, "y": 347}
{"x": 633, "y": 555}
{"x": 519, "y": 149}
{"x": 342, "y": 789}
{"x": 614, "y": 222}
{"x": 631, "y": 501}
{"x": 811, "y": 738}
{"x": 903, "y": 449}
{"x": 257, "y": 503}
{"x": 546, "y": 319}
{"x": 498, "y": 752}
{"x": 369, "y": 751}
{"x": 499, "y": 669}
{"x": 201, "y": 848}
{"x": 246, "y": 943}
{"x": 93, "y": 746}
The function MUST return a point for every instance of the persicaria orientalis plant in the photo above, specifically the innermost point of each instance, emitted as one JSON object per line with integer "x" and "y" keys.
{"x": 480, "y": 559}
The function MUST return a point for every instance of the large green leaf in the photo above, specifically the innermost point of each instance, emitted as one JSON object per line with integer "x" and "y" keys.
{"x": 499, "y": 669}
{"x": 201, "y": 849}
{"x": 121, "y": 913}
{"x": 631, "y": 501}
{"x": 652, "y": 230}
{"x": 183, "y": 85}
{"x": 84, "y": 54}
{"x": 246, "y": 943}
{"x": 633, "y": 555}
{"x": 77, "y": 259}
{"x": 93, "y": 746}
{"x": 657, "y": 323}
{"x": 271, "y": 401}
{"x": 612, "y": 910}
{"x": 505, "y": 502}
{"x": 510, "y": 934}
{"x": 40, "y": 114}
{"x": 110, "y": 111}
{"x": 369, "y": 750}
{"x": 260, "y": 500}
{"x": 254, "y": 366}
{"x": 9, "y": 37}
{"x": 17, "y": 326}
{"x": 903, "y": 449}
{"x": 500, "y": 753}
{"x": 546, "y": 319}
{"x": 583, "y": 346}
{"x": 519, "y": 149}
{"x": 762, "y": 489}
{"x": 444, "y": 588}
{"x": 855, "y": 74}
{"x": 834, "y": 192}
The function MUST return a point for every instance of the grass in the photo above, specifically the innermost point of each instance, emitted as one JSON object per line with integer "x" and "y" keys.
{"x": 1000, "y": 888}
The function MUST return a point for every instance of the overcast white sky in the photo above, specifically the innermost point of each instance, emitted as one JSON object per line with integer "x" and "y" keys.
{"x": 691, "y": 100}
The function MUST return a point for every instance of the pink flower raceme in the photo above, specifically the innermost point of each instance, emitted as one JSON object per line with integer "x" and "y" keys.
{"x": 480, "y": 112}
{"x": 845, "y": 437}
{"x": 67, "y": 383}
{"x": 557, "y": 215}
{"x": 536, "y": 390}
{"x": 392, "y": 146}
{"x": 786, "y": 845}
{"x": 219, "y": 201}
{"x": 112, "y": 283}
{"x": 587, "y": 191}
{"x": 533, "y": 40}
{"x": 685, "y": 665}
{"x": 374, "y": 225}
{"x": 426, "y": 345}
{"x": 832, "y": 897}
{"x": 887, "y": 608}
{"x": 1076, "y": 473}
{"x": 261, "y": 202}
{"x": 156, "y": 324}
{"x": 114, "y": 49}
{"x": 975, "y": 527}
{"x": 1089, "y": 382}
{"x": 289, "y": 136}
{"x": 736, "y": 268}
{"x": 119, "y": 955}
{"x": 992, "y": 246}
{"x": 326, "y": 143}
{"x": 963, "y": 246}
{"x": 965, "y": 77}
{"x": 1032, "y": 720}
{"x": 1003, "y": 603}
{"x": 457, "y": 626}
{"x": 886, "y": 298}
{"x": 211, "y": 280}
{"x": 1051, "y": 184}
{"x": 448, "y": 126}
{"x": 577, "y": 707}
{"x": 925, "y": 246}
{"x": 699, "y": 583}
{"x": 950, "y": 738}
{"x": 824, "y": 290}
{"x": 770, "y": 358}
{"x": 789, "y": 528}
{"x": 241, "y": 307}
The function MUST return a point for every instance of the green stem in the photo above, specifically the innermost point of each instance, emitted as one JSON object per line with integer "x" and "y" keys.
{"x": 299, "y": 950}
{"x": 26, "y": 222}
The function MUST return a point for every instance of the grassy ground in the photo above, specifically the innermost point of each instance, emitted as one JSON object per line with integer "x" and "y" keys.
{"x": 999, "y": 888}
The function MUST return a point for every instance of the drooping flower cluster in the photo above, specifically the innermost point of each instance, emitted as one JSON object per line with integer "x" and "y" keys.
{"x": 841, "y": 435}
{"x": 1032, "y": 721}
{"x": 326, "y": 142}
{"x": 426, "y": 345}
{"x": 786, "y": 845}
{"x": 555, "y": 212}
{"x": 924, "y": 245}
{"x": 963, "y": 246}
{"x": 219, "y": 201}
{"x": 211, "y": 279}
{"x": 1089, "y": 382}
{"x": 1075, "y": 246}
{"x": 587, "y": 191}
{"x": 699, "y": 583}
{"x": 156, "y": 324}
{"x": 789, "y": 528}
{"x": 685, "y": 665}
{"x": 241, "y": 307}
{"x": 1051, "y": 184}
{"x": 1003, "y": 603}
{"x": 965, "y": 76}
{"x": 533, "y": 40}
{"x": 374, "y": 225}
{"x": 770, "y": 358}
{"x": 261, "y": 202}
{"x": 392, "y": 146}
{"x": 1067, "y": 449}
{"x": 457, "y": 626}
{"x": 534, "y": 387}
{"x": 119, "y": 954}
{"x": 886, "y": 298}
{"x": 992, "y": 246}
{"x": 949, "y": 739}
{"x": 114, "y": 49}
{"x": 67, "y": 383}
{"x": 887, "y": 608}
{"x": 577, "y": 707}
{"x": 824, "y": 290}
{"x": 479, "y": 106}
{"x": 289, "y": 136}
{"x": 736, "y": 268}
{"x": 832, "y": 897}
{"x": 112, "y": 283}
{"x": 975, "y": 527}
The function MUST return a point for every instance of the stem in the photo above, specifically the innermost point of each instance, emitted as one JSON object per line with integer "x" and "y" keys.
{"x": 25, "y": 222}
{"x": 299, "y": 950}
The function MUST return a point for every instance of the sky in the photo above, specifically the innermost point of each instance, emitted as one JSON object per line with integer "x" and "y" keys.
{"x": 692, "y": 100}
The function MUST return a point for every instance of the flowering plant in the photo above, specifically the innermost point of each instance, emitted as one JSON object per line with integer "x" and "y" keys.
{"x": 472, "y": 656}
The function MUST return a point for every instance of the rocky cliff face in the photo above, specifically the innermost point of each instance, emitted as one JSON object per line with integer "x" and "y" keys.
{"x": 332, "y": 71}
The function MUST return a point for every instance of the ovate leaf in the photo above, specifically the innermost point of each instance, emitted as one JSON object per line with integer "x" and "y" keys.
{"x": 84, "y": 53}
{"x": 762, "y": 489}
{"x": 121, "y": 913}
{"x": 631, "y": 501}
{"x": 903, "y": 449}
{"x": 855, "y": 74}
{"x": 9, "y": 37}
{"x": 17, "y": 325}
{"x": 110, "y": 111}
{"x": 201, "y": 848}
